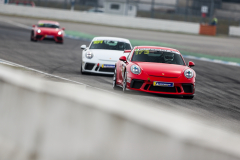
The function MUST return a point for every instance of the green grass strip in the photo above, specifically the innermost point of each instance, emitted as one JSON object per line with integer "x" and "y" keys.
{"x": 80, "y": 34}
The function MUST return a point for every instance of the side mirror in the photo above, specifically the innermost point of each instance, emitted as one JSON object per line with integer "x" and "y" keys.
{"x": 123, "y": 58}
{"x": 33, "y": 26}
{"x": 191, "y": 64}
{"x": 63, "y": 28}
{"x": 83, "y": 46}
{"x": 127, "y": 51}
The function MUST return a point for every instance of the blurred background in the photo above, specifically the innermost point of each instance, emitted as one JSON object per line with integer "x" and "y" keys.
{"x": 202, "y": 11}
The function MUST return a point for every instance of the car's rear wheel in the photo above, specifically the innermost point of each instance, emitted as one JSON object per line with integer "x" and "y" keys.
{"x": 188, "y": 97}
{"x": 124, "y": 86}
{"x": 115, "y": 79}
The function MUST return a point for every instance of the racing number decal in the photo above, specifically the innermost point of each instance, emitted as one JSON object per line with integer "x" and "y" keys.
{"x": 98, "y": 42}
{"x": 141, "y": 51}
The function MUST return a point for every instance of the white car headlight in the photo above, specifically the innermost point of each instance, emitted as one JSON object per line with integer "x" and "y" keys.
{"x": 89, "y": 55}
{"x": 135, "y": 69}
{"x": 60, "y": 32}
{"x": 38, "y": 31}
{"x": 188, "y": 73}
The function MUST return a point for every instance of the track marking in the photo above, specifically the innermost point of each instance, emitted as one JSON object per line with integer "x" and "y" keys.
{"x": 213, "y": 60}
{"x": 18, "y": 24}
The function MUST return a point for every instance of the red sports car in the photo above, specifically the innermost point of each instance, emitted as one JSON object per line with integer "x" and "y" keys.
{"x": 156, "y": 70}
{"x": 47, "y": 30}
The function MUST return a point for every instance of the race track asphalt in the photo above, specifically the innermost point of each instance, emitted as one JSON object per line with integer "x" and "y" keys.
{"x": 217, "y": 85}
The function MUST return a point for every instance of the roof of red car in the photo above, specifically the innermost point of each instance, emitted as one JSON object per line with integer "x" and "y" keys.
{"x": 45, "y": 21}
{"x": 157, "y": 47}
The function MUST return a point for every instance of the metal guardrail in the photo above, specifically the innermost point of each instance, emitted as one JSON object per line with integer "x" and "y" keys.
{"x": 42, "y": 120}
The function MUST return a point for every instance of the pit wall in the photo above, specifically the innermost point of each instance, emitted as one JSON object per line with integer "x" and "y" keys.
{"x": 102, "y": 19}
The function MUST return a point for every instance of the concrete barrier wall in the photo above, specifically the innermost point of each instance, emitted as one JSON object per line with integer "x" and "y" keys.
{"x": 42, "y": 120}
{"x": 234, "y": 31}
{"x": 103, "y": 19}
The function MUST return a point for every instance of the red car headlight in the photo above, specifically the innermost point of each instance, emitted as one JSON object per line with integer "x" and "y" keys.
{"x": 188, "y": 73}
{"x": 135, "y": 69}
{"x": 60, "y": 33}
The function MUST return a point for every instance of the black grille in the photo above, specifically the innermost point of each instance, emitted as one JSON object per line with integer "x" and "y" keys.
{"x": 89, "y": 66}
{"x": 162, "y": 89}
{"x": 59, "y": 38}
{"x": 107, "y": 69}
{"x": 146, "y": 86}
{"x": 136, "y": 83}
{"x": 178, "y": 89}
{"x": 188, "y": 88}
{"x": 39, "y": 37}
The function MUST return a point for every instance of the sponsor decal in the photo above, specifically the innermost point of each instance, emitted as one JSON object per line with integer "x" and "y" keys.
{"x": 146, "y": 50}
{"x": 49, "y": 36}
{"x": 108, "y": 66}
{"x": 163, "y": 84}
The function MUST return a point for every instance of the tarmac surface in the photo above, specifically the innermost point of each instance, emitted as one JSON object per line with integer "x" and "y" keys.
{"x": 217, "y": 85}
{"x": 216, "y": 46}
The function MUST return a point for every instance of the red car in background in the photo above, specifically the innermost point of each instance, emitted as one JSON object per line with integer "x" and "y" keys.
{"x": 156, "y": 70}
{"x": 47, "y": 30}
{"x": 22, "y": 3}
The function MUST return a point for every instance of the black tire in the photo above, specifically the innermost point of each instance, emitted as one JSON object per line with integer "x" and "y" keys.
{"x": 81, "y": 70}
{"x": 188, "y": 97}
{"x": 124, "y": 86}
{"x": 114, "y": 79}
{"x": 32, "y": 37}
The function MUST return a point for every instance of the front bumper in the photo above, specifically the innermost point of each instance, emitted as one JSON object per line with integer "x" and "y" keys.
{"x": 181, "y": 87}
{"x": 93, "y": 67}
{"x": 41, "y": 37}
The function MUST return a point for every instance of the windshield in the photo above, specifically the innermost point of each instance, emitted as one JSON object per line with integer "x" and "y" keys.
{"x": 157, "y": 56}
{"x": 48, "y": 25}
{"x": 110, "y": 45}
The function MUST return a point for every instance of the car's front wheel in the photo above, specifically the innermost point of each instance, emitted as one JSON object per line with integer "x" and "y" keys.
{"x": 124, "y": 86}
{"x": 82, "y": 70}
{"x": 115, "y": 79}
{"x": 32, "y": 37}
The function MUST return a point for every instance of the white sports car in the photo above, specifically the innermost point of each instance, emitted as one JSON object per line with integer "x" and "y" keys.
{"x": 103, "y": 53}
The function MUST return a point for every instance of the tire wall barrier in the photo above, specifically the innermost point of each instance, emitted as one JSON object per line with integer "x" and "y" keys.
{"x": 44, "y": 120}
{"x": 103, "y": 19}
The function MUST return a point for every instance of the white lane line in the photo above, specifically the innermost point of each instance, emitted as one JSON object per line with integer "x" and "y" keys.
{"x": 17, "y": 24}
{"x": 213, "y": 60}
{"x": 51, "y": 75}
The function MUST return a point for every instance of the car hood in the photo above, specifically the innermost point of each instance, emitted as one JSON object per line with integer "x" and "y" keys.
{"x": 107, "y": 55}
{"x": 162, "y": 69}
{"x": 49, "y": 30}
